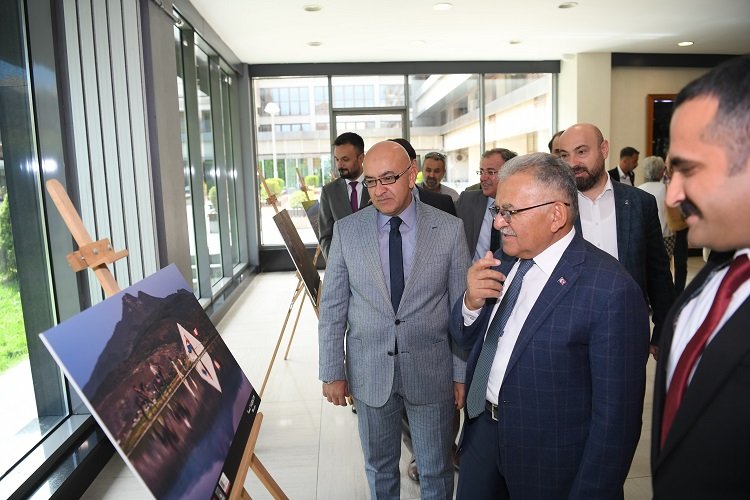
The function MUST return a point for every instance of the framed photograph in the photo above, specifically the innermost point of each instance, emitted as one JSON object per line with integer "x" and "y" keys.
{"x": 162, "y": 384}
{"x": 298, "y": 252}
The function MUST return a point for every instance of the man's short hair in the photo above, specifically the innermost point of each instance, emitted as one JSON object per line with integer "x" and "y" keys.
{"x": 628, "y": 151}
{"x": 652, "y": 166}
{"x": 434, "y": 155}
{"x": 407, "y": 146}
{"x": 557, "y": 134}
{"x": 351, "y": 138}
{"x": 548, "y": 171}
{"x": 506, "y": 154}
{"x": 729, "y": 83}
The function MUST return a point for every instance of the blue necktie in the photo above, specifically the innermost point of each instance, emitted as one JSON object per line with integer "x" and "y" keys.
{"x": 396, "y": 262}
{"x": 476, "y": 399}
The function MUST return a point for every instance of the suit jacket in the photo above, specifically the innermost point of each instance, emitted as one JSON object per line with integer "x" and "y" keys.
{"x": 440, "y": 201}
{"x": 471, "y": 208}
{"x": 641, "y": 250}
{"x": 707, "y": 451}
{"x": 614, "y": 174}
{"x": 356, "y": 309}
{"x": 335, "y": 205}
{"x": 571, "y": 399}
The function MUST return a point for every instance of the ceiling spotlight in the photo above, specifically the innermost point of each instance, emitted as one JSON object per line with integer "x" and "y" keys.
{"x": 314, "y": 44}
{"x": 418, "y": 43}
{"x": 567, "y": 5}
{"x": 443, "y": 6}
{"x": 313, "y": 7}
{"x": 514, "y": 42}
{"x": 685, "y": 44}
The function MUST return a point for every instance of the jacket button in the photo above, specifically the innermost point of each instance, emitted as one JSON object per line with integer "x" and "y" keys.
{"x": 390, "y": 353}
{"x": 398, "y": 321}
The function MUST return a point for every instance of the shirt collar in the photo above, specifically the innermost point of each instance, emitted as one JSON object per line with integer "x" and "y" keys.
{"x": 408, "y": 216}
{"x": 549, "y": 258}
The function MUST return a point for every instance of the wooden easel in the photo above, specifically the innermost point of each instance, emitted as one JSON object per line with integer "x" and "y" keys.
{"x": 96, "y": 255}
{"x": 298, "y": 291}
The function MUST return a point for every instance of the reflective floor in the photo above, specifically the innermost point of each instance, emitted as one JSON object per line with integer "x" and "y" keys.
{"x": 310, "y": 447}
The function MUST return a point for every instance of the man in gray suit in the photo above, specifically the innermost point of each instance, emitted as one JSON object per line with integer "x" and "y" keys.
{"x": 473, "y": 205}
{"x": 394, "y": 270}
{"x": 347, "y": 194}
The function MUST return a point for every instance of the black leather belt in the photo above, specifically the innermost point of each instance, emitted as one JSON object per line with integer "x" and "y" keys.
{"x": 492, "y": 409}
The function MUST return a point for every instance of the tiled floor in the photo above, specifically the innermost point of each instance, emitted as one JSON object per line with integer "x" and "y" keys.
{"x": 310, "y": 447}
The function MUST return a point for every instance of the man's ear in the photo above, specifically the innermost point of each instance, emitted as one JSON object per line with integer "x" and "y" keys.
{"x": 559, "y": 217}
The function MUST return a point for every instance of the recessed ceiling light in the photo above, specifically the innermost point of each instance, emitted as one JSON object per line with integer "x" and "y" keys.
{"x": 313, "y": 7}
{"x": 685, "y": 44}
{"x": 443, "y": 6}
{"x": 314, "y": 44}
{"x": 418, "y": 43}
{"x": 514, "y": 42}
{"x": 567, "y": 5}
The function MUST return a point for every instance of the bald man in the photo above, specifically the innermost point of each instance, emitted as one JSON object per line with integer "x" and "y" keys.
{"x": 620, "y": 219}
{"x": 387, "y": 300}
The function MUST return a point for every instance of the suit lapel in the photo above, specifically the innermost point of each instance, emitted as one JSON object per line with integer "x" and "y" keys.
{"x": 343, "y": 196}
{"x": 478, "y": 218}
{"x": 561, "y": 281}
{"x": 423, "y": 249}
{"x": 365, "y": 200}
{"x": 370, "y": 252}
{"x": 623, "y": 205}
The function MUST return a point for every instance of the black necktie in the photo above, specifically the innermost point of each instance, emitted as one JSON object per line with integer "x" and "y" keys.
{"x": 396, "y": 261}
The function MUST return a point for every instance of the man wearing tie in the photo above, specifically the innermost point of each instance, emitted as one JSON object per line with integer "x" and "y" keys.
{"x": 472, "y": 205}
{"x": 556, "y": 370}
{"x": 700, "y": 446}
{"x": 393, "y": 272}
{"x": 345, "y": 195}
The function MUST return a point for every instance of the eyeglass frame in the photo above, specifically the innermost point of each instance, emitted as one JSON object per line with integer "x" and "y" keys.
{"x": 481, "y": 173}
{"x": 507, "y": 214}
{"x": 382, "y": 179}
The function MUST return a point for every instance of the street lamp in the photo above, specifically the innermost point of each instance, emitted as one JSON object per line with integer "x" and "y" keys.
{"x": 273, "y": 109}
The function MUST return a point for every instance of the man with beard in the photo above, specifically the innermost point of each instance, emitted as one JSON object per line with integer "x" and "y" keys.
{"x": 345, "y": 195}
{"x": 473, "y": 206}
{"x": 433, "y": 171}
{"x": 620, "y": 219}
{"x": 701, "y": 424}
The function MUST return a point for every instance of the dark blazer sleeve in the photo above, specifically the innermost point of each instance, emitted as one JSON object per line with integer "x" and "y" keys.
{"x": 325, "y": 219}
{"x": 440, "y": 201}
{"x": 659, "y": 284}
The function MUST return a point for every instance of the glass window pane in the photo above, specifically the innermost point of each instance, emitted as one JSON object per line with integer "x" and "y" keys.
{"x": 518, "y": 111}
{"x": 186, "y": 159}
{"x": 289, "y": 147}
{"x": 210, "y": 172}
{"x": 361, "y": 91}
{"x": 445, "y": 118}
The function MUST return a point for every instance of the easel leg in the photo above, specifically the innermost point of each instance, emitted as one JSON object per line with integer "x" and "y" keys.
{"x": 294, "y": 328}
{"x": 297, "y": 291}
{"x": 250, "y": 462}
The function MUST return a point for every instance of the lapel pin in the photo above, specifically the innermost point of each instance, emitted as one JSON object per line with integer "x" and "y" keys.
{"x": 562, "y": 281}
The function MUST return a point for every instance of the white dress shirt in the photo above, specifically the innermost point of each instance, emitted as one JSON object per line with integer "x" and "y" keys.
{"x": 695, "y": 311}
{"x": 533, "y": 283}
{"x": 624, "y": 177}
{"x": 598, "y": 219}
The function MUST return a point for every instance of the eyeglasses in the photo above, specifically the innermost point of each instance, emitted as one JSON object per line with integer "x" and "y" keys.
{"x": 435, "y": 156}
{"x": 491, "y": 173}
{"x": 386, "y": 179}
{"x": 508, "y": 214}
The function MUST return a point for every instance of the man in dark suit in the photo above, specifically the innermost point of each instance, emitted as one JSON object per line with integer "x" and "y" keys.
{"x": 556, "y": 370}
{"x": 701, "y": 425}
{"x": 473, "y": 204}
{"x": 623, "y": 172}
{"x": 619, "y": 219}
{"x": 345, "y": 195}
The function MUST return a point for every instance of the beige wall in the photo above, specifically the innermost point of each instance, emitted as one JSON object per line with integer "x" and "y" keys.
{"x": 630, "y": 86}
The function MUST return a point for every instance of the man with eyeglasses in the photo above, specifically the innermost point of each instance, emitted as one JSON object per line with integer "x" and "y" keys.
{"x": 472, "y": 205}
{"x": 620, "y": 219}
{"x": 557, "y": 339}
{"x": 345, "y": 195}
{"x": 394, "y": 270}
{"x": 433, "y": 171}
